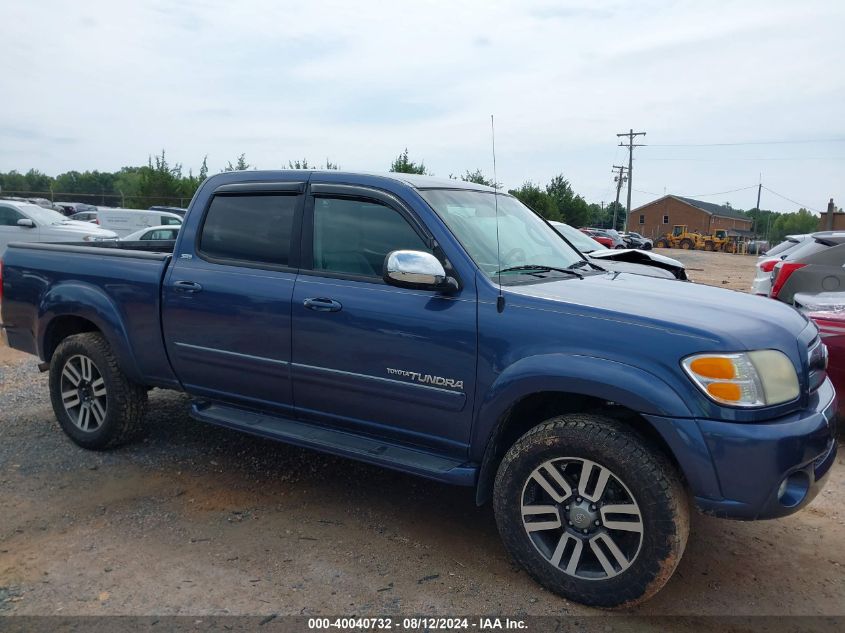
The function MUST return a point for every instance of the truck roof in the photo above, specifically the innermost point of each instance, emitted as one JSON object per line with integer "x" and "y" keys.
{"x": 412, "y": 180}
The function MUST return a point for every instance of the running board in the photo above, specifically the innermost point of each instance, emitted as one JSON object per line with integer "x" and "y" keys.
{"x": 336, "y": 442}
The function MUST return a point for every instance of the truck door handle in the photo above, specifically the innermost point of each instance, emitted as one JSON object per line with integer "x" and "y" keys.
{"x": 187, "y": 287}
{"x": 322, "y": 304}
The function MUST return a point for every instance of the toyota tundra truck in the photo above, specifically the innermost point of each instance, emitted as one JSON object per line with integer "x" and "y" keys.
{"x": 443, "y": 329}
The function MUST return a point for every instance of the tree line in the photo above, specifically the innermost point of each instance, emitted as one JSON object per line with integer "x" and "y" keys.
{"x": 162, "y": 183}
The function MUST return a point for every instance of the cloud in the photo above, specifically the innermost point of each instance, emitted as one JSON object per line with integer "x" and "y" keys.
{"x": 358, "y": 82}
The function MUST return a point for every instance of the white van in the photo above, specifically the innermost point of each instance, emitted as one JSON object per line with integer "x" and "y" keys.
{"x": 26, "y": 222}
{"x": 126, "y": 221}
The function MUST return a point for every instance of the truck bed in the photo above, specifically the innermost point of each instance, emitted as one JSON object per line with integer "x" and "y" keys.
{"x": 114, "y": 285}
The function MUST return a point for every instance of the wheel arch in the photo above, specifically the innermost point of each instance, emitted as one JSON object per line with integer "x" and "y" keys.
{"x": 522, "y": 399}
{"x": 74, "y": 308}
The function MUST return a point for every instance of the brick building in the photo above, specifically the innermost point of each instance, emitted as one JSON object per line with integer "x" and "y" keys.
{"x": 658, "y": 216}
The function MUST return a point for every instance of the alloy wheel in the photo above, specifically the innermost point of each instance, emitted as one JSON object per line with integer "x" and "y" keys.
{"x": 582, "y": 518}
{"x": 84, "y": 393}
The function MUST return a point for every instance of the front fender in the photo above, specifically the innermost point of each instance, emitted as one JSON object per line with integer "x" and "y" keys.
{"x": 609, "y": 380}
{"x": 80, "y": 299}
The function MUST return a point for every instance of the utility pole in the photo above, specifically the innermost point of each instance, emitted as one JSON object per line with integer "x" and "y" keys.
{"x": 630, "y": 145}
{"x": 619, "y": 178}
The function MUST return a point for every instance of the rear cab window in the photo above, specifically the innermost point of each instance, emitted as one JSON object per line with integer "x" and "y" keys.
{"x": 249, "y": 229}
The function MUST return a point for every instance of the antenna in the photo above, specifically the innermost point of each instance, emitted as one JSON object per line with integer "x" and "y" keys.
{"x": 500, "y": 300}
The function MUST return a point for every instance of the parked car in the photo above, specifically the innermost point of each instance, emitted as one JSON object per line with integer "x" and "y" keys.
{"x": 26, "y": 222}
{"x": 827, "y": 311}
{"x": 166, "y": 232}
{"x": 177, "y": 210}
{"x": 762, "y": 283}
{"x": 616, "y": 239}
{"x": 622, "y": 260}
{"x": 41, "y": 202}
{"x": 126, "y": 221}
{"x": 604, "y": 240}
{"x": 442, "y": 328}
{"x": 817, "y": 265}
{"x": 72, "y": 208}
{"x": 86, "y": 216}
{"x": 635, "y": 240}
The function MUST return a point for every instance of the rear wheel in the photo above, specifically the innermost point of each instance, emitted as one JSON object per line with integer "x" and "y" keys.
{"x": 96, "y": 405}
{"x": 591, "y": 511}
{"x": 686, "y": 244}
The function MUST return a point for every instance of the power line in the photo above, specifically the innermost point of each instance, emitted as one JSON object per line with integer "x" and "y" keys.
{"x": 719, "y": 193}
{"x": 795, "y": 142}
{"x": 723, "y": 159}
{"x": 800, "y": 204}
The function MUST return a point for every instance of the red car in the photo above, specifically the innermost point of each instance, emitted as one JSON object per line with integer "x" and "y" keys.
{"x": 601, "y": 239}
{"x": 831, "y": 326}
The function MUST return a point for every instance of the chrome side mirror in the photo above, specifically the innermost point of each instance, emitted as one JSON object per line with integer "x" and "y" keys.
{"x": 26, "y": 223}
{"x": 416, "y": 269}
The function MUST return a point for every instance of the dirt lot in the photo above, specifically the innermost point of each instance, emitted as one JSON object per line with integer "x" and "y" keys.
{"x": 200, "y": 520}
{"x": 715, "y": 269}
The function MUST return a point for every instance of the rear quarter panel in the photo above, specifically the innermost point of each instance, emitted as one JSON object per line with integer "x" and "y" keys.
{"x": 120, "y": 294}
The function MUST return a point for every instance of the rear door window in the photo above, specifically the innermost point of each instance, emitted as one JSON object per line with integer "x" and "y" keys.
{"x": 249, "y": 229}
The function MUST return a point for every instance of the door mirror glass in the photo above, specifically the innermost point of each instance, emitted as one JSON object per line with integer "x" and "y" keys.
{"x": 415, "y": 269}
{"x": 26, "y": 223}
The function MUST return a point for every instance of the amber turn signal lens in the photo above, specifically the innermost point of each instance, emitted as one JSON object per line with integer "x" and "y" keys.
{"x": 713, "y": 367}
{"x": 725, "y": 391}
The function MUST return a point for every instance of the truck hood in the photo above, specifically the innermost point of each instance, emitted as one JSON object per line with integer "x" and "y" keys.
{"x": 737, "y": 320}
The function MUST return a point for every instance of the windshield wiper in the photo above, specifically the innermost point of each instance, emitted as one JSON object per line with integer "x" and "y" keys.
{"x": 583, "y": 262}
{"x": 542, "y": 268}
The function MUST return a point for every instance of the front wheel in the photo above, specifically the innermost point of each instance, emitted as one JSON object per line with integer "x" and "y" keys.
{"x": 96, "y": 404}
{"x": 591, "y": 511}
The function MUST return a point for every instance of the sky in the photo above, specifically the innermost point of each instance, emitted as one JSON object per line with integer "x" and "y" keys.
{"x": 729, "y": 93}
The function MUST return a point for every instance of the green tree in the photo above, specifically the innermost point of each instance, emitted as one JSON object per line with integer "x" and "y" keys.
{"x": 160, "y": 184}
{"x": 204, "y": 168}
{"x": 536, "y": 199}
{"x": 479, "y": 178}
{"x": 799, "y": 222}
{"x": 240, "y": 164}
{"x": 404, "y": 165}
{"x": 572, "y": 208}
{"x": 620, "y": 216}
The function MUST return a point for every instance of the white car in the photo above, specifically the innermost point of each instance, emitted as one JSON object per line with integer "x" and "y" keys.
{"x": 762, "y": 283}
{"x": 164, "y": 232}
{"x": 627, "y": 260}
{"x": 26, "y": 222}
{"x": 126, "y": 221}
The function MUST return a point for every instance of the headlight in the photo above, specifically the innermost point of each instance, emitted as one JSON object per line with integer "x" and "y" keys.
{"x": 747, "y": 379}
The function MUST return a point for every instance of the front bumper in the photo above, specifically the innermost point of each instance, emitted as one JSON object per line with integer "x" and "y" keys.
{"x": 735, "y": 470}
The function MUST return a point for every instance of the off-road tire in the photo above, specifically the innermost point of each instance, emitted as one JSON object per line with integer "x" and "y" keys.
{"x": 126, "y": 400}
{"x": 647, "y": 473}
{"x": 661, "y": 244}
{"x": 687, "y": 245}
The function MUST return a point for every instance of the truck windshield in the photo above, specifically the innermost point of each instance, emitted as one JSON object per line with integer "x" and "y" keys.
{"x": 524, "y": 238}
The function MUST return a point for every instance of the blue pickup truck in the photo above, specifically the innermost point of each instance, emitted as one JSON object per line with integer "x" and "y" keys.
{"x": 443, "y": 329}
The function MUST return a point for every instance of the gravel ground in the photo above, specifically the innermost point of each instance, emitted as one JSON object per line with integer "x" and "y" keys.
{"x": 197, "y": 520}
